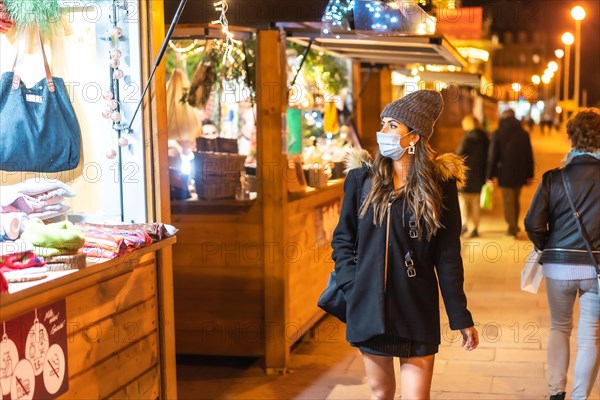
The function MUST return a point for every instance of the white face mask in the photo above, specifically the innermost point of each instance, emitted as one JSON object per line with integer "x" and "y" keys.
{"x": 389, "y": 145}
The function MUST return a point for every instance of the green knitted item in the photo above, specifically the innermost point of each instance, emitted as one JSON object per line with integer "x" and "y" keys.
{"x": 25, "y": 13}
{"x": 59, "y": 235}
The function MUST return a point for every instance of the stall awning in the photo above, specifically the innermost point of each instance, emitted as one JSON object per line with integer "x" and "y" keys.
{"x": 394, "y": 50}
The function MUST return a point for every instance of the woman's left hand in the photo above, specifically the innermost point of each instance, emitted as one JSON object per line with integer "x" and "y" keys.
{"x": 470, "y": 338}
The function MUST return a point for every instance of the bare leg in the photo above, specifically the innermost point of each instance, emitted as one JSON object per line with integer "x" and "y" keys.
{"x": 415, "y": 375}
{"x": 380, "y": 373}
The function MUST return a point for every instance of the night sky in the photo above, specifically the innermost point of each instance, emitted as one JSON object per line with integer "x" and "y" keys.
{"x": 554, "y": 16}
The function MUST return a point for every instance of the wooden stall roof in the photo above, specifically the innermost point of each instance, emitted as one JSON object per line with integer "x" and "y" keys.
{"x": 392, "y": 50}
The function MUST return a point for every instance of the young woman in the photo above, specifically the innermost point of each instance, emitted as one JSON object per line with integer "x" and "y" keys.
{"x": 567, "y": 265}
{"x": 398, "y": 234}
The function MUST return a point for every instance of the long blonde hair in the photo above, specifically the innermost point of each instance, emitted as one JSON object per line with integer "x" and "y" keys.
{"x": 422, "y": 191}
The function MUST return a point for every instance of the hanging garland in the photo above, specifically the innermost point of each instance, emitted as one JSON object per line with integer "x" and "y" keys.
{"x": 211, "y": 70}
{"x": 322, "y": 68}
{"x": 27, "y": 13}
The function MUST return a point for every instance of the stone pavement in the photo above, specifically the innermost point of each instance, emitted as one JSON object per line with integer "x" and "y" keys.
{"x": 510, "y": 362}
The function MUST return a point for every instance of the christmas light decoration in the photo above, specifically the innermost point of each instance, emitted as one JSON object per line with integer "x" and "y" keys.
{"x": 230, "y": 42}
{"x": 337, "y": 16}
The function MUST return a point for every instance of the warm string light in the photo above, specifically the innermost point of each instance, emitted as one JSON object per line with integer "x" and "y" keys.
{"x": 337, "y": 15}
{"x": 229, "y": 40}
{"x": 187, "y": 51}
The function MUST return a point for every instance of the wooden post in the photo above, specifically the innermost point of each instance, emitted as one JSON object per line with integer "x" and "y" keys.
{"x": 356, "y": 85}
{"x": 385, "y": 87}
{"x": 271, "y": 89}
{"x": 157, "y": 176}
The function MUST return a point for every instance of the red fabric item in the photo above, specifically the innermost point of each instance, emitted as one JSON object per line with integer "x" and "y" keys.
{"x": 17, "y": 261}
{"x": 3, "y": 284}
{"x": 5, "y": 20}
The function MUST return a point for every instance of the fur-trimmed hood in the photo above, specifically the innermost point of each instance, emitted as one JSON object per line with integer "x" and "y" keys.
{"x": 448, "y": 165}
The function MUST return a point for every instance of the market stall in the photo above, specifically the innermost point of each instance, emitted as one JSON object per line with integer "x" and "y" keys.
{"x": 85, "y": 245}
{"x": 248, "y": 270}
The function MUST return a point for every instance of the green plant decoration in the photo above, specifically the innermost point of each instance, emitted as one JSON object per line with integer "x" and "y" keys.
{"x": 322, "y": 68}
{"x": 209, "y": 73}
{"x": 27, "y": 13}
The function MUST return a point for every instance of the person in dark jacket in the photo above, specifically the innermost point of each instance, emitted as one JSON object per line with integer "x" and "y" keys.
{"x": 510, "y": 160}
{"x": 474, "y": 149}
{"x": 398, "y": 234}
{"x": 567, "y": 265}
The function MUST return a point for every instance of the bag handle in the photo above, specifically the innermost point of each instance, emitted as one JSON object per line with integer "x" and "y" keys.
{"x": 580, "y": 226}
{"x": 19, "y": 58}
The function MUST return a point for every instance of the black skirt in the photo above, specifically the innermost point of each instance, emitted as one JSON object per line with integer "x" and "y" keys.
{"x": 395, "y": 346}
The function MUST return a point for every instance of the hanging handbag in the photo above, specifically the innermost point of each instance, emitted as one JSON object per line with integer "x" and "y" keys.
{"x": 333, "y": 300}
{"x": 580, "y": 226}
{"x": 39, "y": 131}
{"x": 532, "y": 273}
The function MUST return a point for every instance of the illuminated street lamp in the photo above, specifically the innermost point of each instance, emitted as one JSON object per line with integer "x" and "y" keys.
{"x": 546, "y": 79}
{"x": 559, "y": 53}
{"x": 578, "y": 14}
{"x": 553, "y": 66}
{"x": 567, "y": 39}
{"x": 536, "y": 79}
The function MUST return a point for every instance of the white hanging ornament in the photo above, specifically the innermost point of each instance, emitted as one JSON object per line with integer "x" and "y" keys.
{"x": 123, "y": 142}
{"x": 106, "y": 113}
{"x": 118, "y": 74}
{"x": 117, "y": 31}
{"x": 113, "y": 105}
{"x": 116, "y": 53}
{"x": 107, "y": 95}
{"x": 111, "y": 154}
{"x": 115, "y": 62}
{"x": 115, "y": 116}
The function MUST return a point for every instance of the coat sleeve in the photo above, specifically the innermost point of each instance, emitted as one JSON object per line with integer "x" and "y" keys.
{"x": 529, "y": 167}
{"x": 346, "y": 232}
{"x": 448, "y": 261}
{"x": 538, "y": 215}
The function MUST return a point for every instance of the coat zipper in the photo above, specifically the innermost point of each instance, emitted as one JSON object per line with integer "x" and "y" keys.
{"x": 387, "y": 245}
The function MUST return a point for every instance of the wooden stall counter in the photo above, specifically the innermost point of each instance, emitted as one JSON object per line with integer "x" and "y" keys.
{"x": 222, "y": 272}
{"x": 103, "y": 331}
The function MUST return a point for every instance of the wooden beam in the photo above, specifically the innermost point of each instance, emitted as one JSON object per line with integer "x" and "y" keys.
{"x": 159, "y": 205}
{"x": 271, "y": 87}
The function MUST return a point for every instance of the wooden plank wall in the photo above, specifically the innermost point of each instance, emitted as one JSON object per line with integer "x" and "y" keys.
{"x": 311, "y": 221}
{"x": 219, "y": 284}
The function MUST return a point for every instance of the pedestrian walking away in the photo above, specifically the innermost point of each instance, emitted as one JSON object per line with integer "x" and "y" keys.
{"x": 474, "y": 149}
{"x": 567, "y": 263}
{"x": 510, "y": 160}
{"x": 397, "y": 243}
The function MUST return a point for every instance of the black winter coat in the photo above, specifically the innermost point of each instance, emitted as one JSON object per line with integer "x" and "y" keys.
{"x": 411, "y": 305}
{"x": 474, "y": 148}
{"x": 549, "y": 222}
{"x": 510, "y": 156}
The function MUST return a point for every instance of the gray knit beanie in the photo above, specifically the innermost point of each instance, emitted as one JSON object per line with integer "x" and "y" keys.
{"x": 418, "y": 110}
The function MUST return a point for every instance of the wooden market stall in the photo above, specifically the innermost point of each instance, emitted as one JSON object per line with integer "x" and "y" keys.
{"x": 115, "y": 318}
{"x": 247, "y": 273}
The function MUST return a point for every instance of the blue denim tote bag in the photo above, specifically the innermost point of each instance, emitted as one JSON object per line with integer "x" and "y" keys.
{"x": 39, "y": 131}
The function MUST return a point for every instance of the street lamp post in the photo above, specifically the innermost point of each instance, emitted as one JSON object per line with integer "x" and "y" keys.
{"x": 578, "y": 14}
{"x": 559, "y": 53}
{"x": 568, "y": 40}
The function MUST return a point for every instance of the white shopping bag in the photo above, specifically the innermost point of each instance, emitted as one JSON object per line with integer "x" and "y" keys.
{"x": 532, "y": 274}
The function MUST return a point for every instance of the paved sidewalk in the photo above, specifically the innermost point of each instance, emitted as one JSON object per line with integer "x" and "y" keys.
{"x": 510, "y": 362}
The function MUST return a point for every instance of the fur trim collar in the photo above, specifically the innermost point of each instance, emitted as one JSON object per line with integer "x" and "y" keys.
{"x": 447, "y": 166}
{"x": 451, "y": 166}
{"x": 357, "y": 158}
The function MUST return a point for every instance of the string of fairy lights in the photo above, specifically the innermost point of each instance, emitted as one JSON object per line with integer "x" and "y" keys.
{"x": 337, "y": 15}
{"x": 230, "y": 42}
